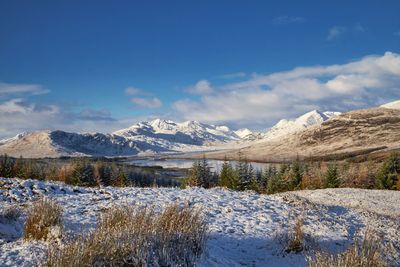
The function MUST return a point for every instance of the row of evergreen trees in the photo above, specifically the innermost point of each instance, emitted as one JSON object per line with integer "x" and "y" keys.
{"x": 288, "y": 177}
{"x": 82, "y": 172}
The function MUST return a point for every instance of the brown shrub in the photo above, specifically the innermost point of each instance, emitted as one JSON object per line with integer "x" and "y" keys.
{"x": 398, "y": 183}
{"x": 124, "y": 236}
{"x": 64, "y": 173}
{"x": 295, "y": 238}
{"x": 44, "y": 217}
{"x": 362, "y": 254}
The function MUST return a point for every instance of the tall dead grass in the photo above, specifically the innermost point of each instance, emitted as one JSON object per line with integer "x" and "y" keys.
{"x": 128, "y": 237}
{"x": 43, "y": 220}
{"x": 365, "y": 253}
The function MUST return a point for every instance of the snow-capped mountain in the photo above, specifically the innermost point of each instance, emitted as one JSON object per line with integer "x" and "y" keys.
{"x": 284, "y": 126}
{"x": 177, "y": 136}
{"x": 157, "y": 136}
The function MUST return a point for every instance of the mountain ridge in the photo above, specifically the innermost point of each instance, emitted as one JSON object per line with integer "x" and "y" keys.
{"x": 166, "y": 136}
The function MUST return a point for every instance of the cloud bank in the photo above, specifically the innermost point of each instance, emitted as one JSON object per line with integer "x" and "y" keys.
{"x": 20, "y": 115}
{"x": 7, "y": 89}
{"x": 263, "y": 99}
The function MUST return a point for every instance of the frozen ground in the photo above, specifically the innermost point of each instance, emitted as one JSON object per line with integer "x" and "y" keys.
{"x": 244, "y": 226}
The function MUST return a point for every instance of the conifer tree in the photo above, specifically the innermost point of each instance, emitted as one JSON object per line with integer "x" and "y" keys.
{"x": 243, "y": 175}
{"x": 194, "y": 175}
{"x": 276, "y": 182}
{"x": 388, "y": 175}
{"x": 6, "y": 166}
{"x": 206, "y": 176}
{"x": 296, "y": 175}
{"x": 332, "y": 177}
{"x": 225, "y": 177}
{"x": 254, "y": 184}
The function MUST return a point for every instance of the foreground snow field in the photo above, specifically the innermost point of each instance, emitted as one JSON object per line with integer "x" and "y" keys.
{"x": 244, "y": 226}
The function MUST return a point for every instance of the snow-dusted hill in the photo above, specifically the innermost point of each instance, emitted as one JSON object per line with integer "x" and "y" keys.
{"x": 157, "y": 136}
{"x": 358, "y": 132}
{"x": 150, "y": 137}
{"x": 285, "y": 127}
{"x": 59, "y": 143}
{"x": 165, "y": 136}
{"x": 245, "y": 228}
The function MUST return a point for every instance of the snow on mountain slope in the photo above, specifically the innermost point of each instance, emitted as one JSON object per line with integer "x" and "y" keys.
{"x": 392, "y": 105}
{"x": 151, "y": 137}
{"x": 59, "y": 143}
{"x": 284, "y": 127}
{"x": 243, "y": 226}
{"x": 17, "y": 137}
{"x": 177, "y": 136}
{"x": 243, "y": 133}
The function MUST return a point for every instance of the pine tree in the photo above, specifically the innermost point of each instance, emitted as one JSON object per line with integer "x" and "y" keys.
{"x": 18, "y": 167}
{"x": 296, "y": 175}
{"x": 388, "y": 175}
{"x": 206, "y": 176}
{"x": 275, "y": 182}
{"x": 194, "y": 175}
{"x": 332, "y": 177}
{"x": 254, "y": 184}
{"x": 243, "y": 175}
{"x": 82, "y": 174}
{"x": 226, "y": 175}
{"x": 6, "y": 166}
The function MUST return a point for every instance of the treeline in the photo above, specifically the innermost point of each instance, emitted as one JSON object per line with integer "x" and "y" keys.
{"x": 82, "y": 172}
{"x": 298, "y": 175}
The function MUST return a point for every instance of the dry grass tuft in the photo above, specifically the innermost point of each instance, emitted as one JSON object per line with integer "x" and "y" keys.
{"x": 128, "y": 237}
{"x": 44, "y": 217}
{"x": 362, "y": 254}
{"x": 295, "y": 238}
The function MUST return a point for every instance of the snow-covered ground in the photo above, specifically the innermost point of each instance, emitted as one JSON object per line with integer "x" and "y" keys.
{"x": 244, "y": 226}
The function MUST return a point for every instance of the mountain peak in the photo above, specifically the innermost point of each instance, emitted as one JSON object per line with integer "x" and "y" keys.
{"x": 244, "y": 132}
{"x": 162, "y": 124}
{"x": 302, "y": 122}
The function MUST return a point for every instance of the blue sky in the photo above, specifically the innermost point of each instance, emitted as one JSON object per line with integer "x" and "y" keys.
{"x": 102, "y": 65}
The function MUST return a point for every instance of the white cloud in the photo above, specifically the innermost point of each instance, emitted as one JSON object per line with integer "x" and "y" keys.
{"x": 95, "y": 115}
{"x": 335, "y": 32}
{"x": 133, "y": 91}
{"x": 233, "y": 75}
{"x": 264, "y": 99}
{"x": 282, "y": 20}
{"x": 18, "y": 115}
{"x": 202, "y": 87}
{"x": 146, "y": 102}
{"x": 15, "y": 89}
